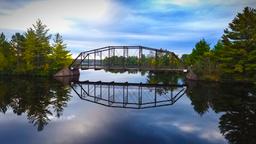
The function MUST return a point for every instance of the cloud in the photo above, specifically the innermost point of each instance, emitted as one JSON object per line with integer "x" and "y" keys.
{"x": 178, "y": 2}
{"x": 58, "y": 14}
{"x": 8, "y": 5}
{"x": 194, "y": 3}
{"x": 187, "y": 127}
{"x": 177, "y": 24}
{"x": 77, "y": 46}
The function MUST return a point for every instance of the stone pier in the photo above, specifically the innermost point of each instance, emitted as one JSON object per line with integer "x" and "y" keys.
{"x": 67, "y": 72}
{"x": 191, "y": 75}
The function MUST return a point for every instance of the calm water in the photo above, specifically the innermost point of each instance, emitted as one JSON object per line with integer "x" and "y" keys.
{"x": 45, "y": 111}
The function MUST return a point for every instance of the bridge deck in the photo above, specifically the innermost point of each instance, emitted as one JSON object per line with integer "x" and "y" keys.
{"x": 132, "y": 68}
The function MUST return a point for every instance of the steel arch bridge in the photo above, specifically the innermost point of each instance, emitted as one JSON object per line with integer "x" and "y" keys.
{"x": 128, "y": 58}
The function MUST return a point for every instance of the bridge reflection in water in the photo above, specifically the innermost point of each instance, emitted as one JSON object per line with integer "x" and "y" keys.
{"x": 128, "y": 95}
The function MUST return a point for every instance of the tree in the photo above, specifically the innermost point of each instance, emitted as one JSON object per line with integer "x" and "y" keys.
{"x": 6, "y": 55}
{"x": 17, "y": 44}
{"x": 202, "y": 61}
{"x": 37, "y": 49}
{"x": 238, "y": 55}
{"x": 197, "y": 54}
{"x": 60, "y": 57}
{"x": 32, "y": 54}
{"x": 218, "y": 48}
{"x": 185, "y": 58}
{"x": 43, "y": 48}
{"x": 200, "y": 49}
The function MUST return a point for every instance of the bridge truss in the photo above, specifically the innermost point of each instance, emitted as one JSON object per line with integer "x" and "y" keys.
{"x": 127, "y": 58}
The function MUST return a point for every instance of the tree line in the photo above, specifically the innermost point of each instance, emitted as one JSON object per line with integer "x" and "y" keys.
{"x": 233, "y": 57}
{"x": 162, "y": 60}
{"x": 33, "y": 53}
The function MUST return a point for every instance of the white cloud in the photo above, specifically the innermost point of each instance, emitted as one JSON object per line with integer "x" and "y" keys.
{"x": 178, "y": 2}
{"x": 78, "y": 46}
{"x": 186, "y": 127}
{"x": 193, "y": 3}
{"x": 59, "y": 14}
{"x": 205, "y": 24}
{"x": 208, "y": 132}
{"x": 90, "y": 24}
{"x": 103, "y": 34}
{"x": 212, "y": 135}
{"x": 62, "y": 118}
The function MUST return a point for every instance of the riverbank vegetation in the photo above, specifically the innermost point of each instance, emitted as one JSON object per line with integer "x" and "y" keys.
{"x": 233, "y": 58}
{"x": 162, "y": 60}
{"x": 33, "y": 53}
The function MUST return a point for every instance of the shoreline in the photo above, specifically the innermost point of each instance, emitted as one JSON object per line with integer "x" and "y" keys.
{"x": 186, "y": 79}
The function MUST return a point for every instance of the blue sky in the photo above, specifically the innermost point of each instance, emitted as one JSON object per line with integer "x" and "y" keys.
{"x": 175, "y": 25}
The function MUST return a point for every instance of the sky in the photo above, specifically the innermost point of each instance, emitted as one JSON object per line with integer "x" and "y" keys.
{"x": 175, "y": 25}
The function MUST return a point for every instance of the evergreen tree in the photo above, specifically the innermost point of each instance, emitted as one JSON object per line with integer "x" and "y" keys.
{"x": 43, "y": 48}
{"x": 238, "y": 55}
{"x": 37, "y": 48}
{"x": 198, "y": 53}
{"x": 200, "y": 49}
{"x": 218, "y": 47}
{"x": 185, "y": 58}
{"x": 17, "y": 44}
{"x": 30, "y": 53}
{"x": 6, "y": 55}
{"x": 202, "y": 61}
{"x": 60, "y": 57}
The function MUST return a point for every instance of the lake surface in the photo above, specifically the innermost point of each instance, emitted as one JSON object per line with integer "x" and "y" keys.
{"x": 125, "y": 107}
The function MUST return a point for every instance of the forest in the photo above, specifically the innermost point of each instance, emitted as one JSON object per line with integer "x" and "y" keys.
{"x": 233, "y": 58}
{"x": 33, "y": 53}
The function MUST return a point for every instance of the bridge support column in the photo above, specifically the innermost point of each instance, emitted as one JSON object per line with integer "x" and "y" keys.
{"x": 65, "y": 72}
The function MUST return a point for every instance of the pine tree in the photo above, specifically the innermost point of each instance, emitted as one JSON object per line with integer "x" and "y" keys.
{"x": 238, "y": 55}
{"x": 60, "y": 56}
{"x": 37, "y": 48}
{"x": 200, "y": 49}
{"x": 6, "y": 55}
{"x": 43, "y": 46}
{"x": 197, "y": 54}
{"x": 17, "y": 44}
{"x": 30, "y": 53}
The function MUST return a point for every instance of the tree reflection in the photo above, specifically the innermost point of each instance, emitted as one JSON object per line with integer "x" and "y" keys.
{"x": 155, "y": 77}
{"x": 237, "y": 102}
{"x": 164, "y": 77}
{"x": 37, "y": 97}
{"x": 116, "y": 71}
